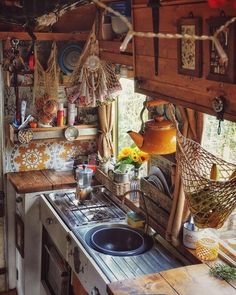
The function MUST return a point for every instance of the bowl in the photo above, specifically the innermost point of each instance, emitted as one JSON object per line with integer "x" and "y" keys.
{"x": 118, "y": 26}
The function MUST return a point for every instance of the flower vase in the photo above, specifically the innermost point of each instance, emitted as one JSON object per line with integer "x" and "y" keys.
{"x": 135, "y": 185}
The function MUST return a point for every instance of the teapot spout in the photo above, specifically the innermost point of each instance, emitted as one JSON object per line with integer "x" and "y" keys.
{"x": 136, "y": 137}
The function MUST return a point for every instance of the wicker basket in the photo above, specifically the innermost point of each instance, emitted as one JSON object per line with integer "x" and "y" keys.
{"x": 157, "y": 203}
{"x": 117, "y": 189}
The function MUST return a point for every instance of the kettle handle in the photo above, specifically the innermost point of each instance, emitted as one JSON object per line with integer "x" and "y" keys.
{"x": 154, "y": 103}
{"x": 146, "y": 105}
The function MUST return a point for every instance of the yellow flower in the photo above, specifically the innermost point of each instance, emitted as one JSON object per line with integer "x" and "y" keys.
{"x": 143, "y": 156}
{"x": 135, "y": 157}
{"x": 127, "y": 151}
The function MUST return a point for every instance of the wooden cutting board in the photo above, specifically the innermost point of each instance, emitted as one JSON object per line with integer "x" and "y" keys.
{"x": 188, "y": 280}
{"x": 29, "y": 181}
{"x": 60, "y": 179}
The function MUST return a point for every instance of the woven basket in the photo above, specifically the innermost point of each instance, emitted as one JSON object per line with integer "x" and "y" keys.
{"x": 117, "y": 189}
{"x": 210, "y": 202}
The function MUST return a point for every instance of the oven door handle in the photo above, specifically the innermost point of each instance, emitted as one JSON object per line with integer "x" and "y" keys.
{"x": 77, "y": 261}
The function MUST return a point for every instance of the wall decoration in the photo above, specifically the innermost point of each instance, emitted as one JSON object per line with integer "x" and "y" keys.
{"x": 190, "y": 50}
{"x": 19, "y": 234}
{"x": 218, "y": 71}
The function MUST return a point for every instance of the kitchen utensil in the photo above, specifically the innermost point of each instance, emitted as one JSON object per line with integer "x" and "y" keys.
{"x": 157, "y": 136}
{"x": 71, "y": 133}
{"x": 84, "y": 179}
{"x": 118, "y": 176}
{"x": 118, "y": 26}
{"x": 25, "y": 135}
{"x": 68, "y": 57}
{"x": 84, "y": 176}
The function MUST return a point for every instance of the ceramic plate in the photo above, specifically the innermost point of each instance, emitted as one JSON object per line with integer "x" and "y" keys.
{"x": 25, "y": 135}
{"x": 71, "y": 133}
{"x": 69, "y": 57}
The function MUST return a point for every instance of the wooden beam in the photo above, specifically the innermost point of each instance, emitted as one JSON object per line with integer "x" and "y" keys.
{"x": 117, "y": 58}
{"x": 114, "y": 47}
{"x": 42, "y": 36}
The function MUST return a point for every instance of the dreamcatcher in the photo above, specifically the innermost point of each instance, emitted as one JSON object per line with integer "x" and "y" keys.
{"x": 94, "y": 80}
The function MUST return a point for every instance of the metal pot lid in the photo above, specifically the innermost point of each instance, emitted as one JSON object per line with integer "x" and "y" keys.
{"x": 159, "y": 125}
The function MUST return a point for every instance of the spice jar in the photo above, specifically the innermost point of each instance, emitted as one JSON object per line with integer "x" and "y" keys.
{"x": 60, "y": 115}
{"x": 207, "y": 248}
{"x": 71, "y": 114}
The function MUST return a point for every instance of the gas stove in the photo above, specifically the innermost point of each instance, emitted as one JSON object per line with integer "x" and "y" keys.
{"x": 101, "y": 211}
{"x": 96, "y": 209}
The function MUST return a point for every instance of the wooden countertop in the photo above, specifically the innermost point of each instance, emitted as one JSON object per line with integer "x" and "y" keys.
{"x": 41, "y": 180}
{"x": 188, "y": 280}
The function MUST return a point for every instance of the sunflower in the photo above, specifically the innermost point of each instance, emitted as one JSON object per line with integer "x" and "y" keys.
{"x": 135, "y": 157}
{"x": 143, "y": 157}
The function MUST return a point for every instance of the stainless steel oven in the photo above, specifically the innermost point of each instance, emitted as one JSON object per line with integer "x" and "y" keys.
{"x": 55, "y": 272}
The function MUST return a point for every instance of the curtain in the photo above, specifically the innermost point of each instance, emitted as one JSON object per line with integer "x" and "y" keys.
{"x": 105, "y": 116}
{"x": 192, "y": 128}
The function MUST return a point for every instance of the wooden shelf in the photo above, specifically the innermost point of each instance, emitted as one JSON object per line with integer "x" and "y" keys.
{"x": 43, "y": 36}
{"x": 86, "y": 132}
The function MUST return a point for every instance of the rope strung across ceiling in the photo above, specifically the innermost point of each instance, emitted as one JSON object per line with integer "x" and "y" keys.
{"x": 131, "y": 33}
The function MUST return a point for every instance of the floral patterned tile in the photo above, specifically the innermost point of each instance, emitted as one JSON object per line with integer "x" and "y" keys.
{"x": 33, "y": 156}
{"x": 50, "y": 155}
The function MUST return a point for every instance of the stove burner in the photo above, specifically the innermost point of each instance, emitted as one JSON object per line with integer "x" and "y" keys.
{"x": 96, "y": 209}
{"x": 101, "y": 215}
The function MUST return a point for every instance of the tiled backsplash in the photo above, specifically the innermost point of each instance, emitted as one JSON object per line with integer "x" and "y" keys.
{"x": 46, "y": 155}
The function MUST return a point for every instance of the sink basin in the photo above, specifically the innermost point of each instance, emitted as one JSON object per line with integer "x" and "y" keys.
{"x": 118, "y": 240}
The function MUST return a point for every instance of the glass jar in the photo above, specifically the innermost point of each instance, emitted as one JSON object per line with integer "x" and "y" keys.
{"x": 207, "y": 248}
{"x": 135, "y": 185}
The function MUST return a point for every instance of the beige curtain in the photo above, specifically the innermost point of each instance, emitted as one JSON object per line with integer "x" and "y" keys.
{"x": 106, "y": 118}
{"x": 192, "y": 128}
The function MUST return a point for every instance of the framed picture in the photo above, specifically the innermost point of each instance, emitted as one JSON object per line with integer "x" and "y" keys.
{"x": 190, "y": 51}
{"x": 217, "y": 70}
{"x": 19, "y": 234}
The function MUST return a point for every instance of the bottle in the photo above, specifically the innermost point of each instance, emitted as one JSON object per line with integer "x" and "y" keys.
{"x": 71, "y": 114}
{"x": 60, "y": 115}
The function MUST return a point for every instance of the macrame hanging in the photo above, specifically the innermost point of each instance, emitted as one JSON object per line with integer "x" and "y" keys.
{"x": 46, "y": 81}
{"x": 210, "y": 201}
{"x": 93, "y": 81}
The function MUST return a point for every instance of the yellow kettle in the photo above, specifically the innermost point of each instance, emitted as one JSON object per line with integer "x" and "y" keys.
{"x": 157, "y": 136}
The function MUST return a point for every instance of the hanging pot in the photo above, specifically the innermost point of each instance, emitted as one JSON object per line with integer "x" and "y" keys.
{"x": 157, "y": 136}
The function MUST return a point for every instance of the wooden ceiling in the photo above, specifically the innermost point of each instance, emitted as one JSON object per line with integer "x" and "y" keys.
{"x": 15, "y": 15}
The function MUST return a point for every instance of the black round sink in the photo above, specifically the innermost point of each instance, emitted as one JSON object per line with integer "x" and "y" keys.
{"x": 118, "y": 240}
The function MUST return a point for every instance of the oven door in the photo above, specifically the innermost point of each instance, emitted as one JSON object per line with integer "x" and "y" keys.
{"x": 55, "y": 274}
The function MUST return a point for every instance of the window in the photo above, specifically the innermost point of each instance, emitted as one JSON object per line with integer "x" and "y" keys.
{"x": 223, "y": 146}
{"x": 129, "y": 106}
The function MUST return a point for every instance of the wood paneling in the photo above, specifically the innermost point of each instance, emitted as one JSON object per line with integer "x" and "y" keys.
{"x": 46, "y": 36}
{"x": 188, "y": 91}
{"x": 194, "y": 280}
{"x": 78, "y": 289}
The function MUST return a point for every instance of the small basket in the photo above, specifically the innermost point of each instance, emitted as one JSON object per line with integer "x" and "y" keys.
{"x": 118, "y": 189}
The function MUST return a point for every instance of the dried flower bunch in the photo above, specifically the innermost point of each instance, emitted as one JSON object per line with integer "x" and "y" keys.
{"x": 132, "y": 155}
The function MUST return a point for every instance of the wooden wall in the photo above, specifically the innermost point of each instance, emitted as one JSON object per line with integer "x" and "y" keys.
{"x": 188, "y": 91}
